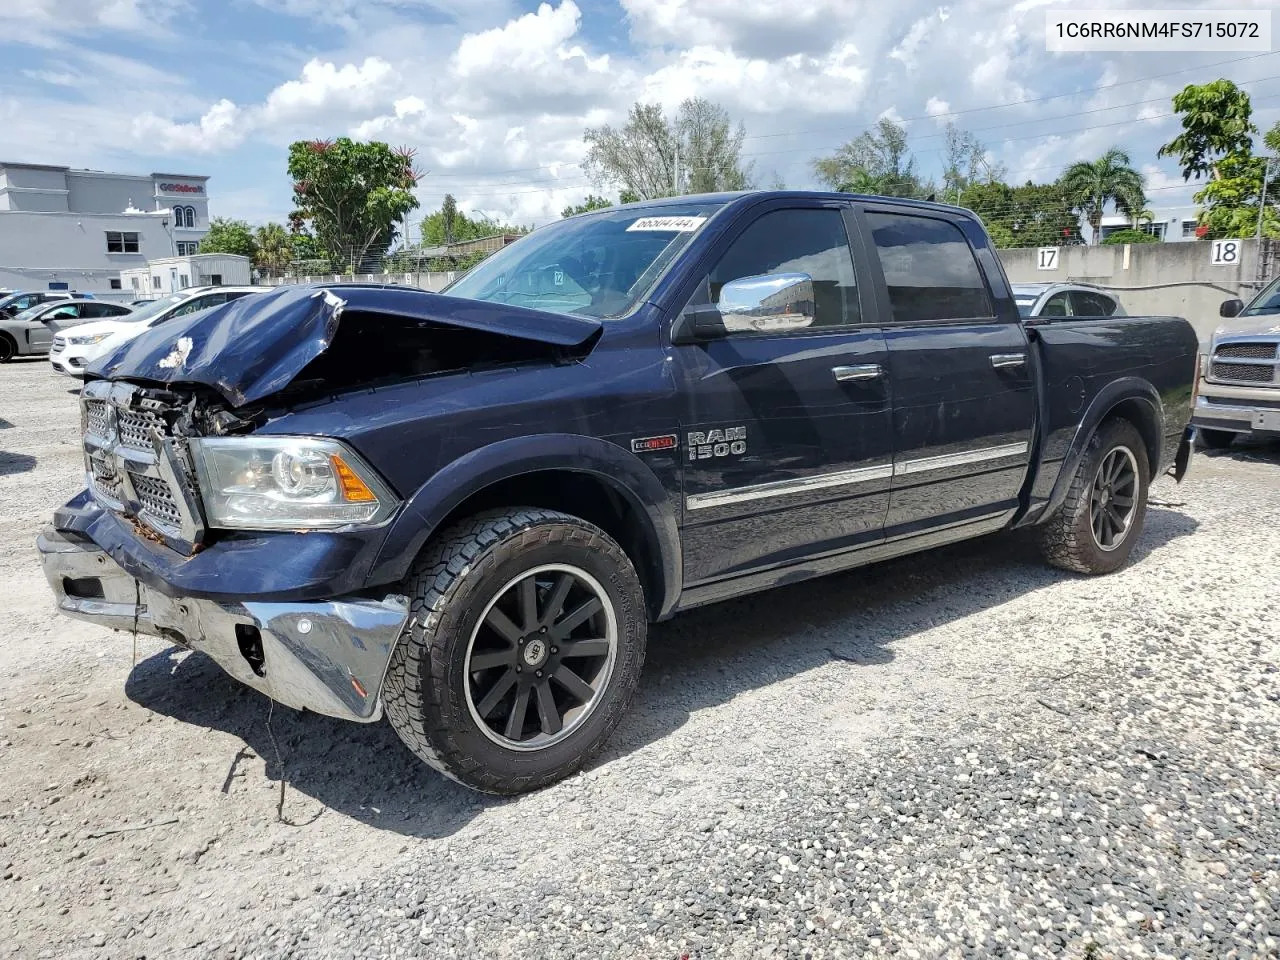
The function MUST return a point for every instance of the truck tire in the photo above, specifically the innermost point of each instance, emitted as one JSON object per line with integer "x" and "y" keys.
{"x": 524, "y": 645}
{"x": 8, "y": 348}
{"x": 1097, "y": 525}
{"x": 1214, "y": 439}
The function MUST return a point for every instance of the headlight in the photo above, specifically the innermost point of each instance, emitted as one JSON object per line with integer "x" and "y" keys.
{"x": 287, "y": 483}
{"x": 90, "y": 338}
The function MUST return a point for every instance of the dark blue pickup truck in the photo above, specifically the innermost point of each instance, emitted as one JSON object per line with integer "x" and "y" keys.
{"x": 465, "y": 509}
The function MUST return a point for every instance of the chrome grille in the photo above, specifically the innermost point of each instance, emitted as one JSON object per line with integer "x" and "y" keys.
{"x": 1243, "y": 372}
{"x": 156, "y": 500}
{"x": 1247, "y": 351}
{"x": 136, "y": 427}
{"x": 136, "y": 466}
{"x": 96, "y": 418}
{"x": 59, "y": 344}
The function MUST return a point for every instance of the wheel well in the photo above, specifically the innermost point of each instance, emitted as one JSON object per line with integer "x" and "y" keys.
{"x": 1140, "y": 413}
{"x": 588, "y": 497}
{"x": 4, "y": 335}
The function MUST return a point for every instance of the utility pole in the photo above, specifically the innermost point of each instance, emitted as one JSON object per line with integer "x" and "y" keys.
{"x": 1262, "y": 205}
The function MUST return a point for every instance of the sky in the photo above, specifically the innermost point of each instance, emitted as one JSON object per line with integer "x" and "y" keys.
{"x": 494, "y": 95}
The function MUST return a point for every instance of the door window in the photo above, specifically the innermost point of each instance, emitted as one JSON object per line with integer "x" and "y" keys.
{"x": 929, "y": 269}
{"x": 1056, "y": 306}
{"x": 1086, "y": 303}
{"x": 62, "y": 313}
{"x": 812, "y": 242}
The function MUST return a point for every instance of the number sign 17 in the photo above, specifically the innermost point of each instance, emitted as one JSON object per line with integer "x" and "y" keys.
{"x": 1047, "y": 258}
{"x": 1226, "y": 253}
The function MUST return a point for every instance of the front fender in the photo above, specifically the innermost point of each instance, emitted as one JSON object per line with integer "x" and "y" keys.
{"x": 436, "y": 499}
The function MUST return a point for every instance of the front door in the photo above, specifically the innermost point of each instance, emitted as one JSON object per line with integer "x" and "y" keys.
{"x": 40, "y": 334}
{"x": 785, "y": 431}
{"x": 964, "y": 397}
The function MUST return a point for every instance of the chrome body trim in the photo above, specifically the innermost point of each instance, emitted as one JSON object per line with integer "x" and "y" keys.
{"x": 1002, "y": 361}
{"x": 822, "y": 481}
{"x": 782, "y": 488}
{"x": 924, "y": 464}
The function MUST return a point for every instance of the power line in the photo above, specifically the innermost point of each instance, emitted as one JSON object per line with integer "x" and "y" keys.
{"x": 952, "y": 113}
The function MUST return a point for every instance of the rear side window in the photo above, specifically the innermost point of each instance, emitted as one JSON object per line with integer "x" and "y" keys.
{"x": 1056, "y": 306}
{"x": 1088, "y": 304}
{"x": 929, "y": 269}
{"x": 812, "y": 242}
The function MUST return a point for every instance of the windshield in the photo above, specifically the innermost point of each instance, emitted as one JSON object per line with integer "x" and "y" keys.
{"x": 32, "y": 312}
{"x": 1268, "y": 301}
{"x": 151, "y": 310}
{"x": 600, "y": 265}
{"x": 1025, "y": 304}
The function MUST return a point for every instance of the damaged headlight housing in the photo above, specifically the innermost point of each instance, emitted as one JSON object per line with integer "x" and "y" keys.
{"x": 287, "y": 483}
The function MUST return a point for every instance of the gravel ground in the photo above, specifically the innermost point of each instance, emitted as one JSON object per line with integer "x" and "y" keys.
{"x": 964, "y": 755}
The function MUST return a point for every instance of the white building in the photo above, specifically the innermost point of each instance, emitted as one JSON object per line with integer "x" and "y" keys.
{"x": 1170, "y": 224}
{"x": 171, "y": 274}
{"x": 65, "y": 229}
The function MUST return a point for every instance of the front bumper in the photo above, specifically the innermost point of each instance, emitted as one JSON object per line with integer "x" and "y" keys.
{"x": 1238, "y": 414}
{"x": 327, "y": 656}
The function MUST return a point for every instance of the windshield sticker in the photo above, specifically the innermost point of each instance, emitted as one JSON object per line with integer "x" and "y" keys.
{"x": 668, "y": 224}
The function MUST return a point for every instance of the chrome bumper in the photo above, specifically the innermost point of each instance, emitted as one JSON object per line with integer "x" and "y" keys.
{"x": 1239, "y": 417}
{"x": 327, "y": 656}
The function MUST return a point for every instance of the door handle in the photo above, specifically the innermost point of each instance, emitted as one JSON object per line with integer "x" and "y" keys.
{"x": 861, "y": 371}
{"x": 1002, "y": 361}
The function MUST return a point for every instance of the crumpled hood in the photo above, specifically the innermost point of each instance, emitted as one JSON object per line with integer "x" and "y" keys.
{"x": 253, "y": 347}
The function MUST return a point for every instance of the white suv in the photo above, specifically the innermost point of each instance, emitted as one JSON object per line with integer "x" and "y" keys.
{"x": 74, "y": 349}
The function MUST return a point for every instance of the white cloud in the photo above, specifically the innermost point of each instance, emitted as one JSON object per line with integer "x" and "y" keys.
{"x": 326, "y": 89}
{"x": 936, "y": 107}
{"x": 50, "y": 17}
{"x": 754, "y": 28}
{"x": 218, "y": 129}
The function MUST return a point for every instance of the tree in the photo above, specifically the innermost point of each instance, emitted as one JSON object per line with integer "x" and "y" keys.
{"x": 1092, "y": 184}
{"x": 449, "y": 218}
{"x": 591, "y": 203}
{"x": 352, "y": 194}
{"x": 229, "y": 236}
{"x": 697, "y": 151}
{"x": 1130, "y": 236}
{"x": 876, "y": 161}
{"x": 966, "y": 163}
{"x": 274, "y": 250}
{"x": 1032, "y": 215}
{"x": 1231, "y": 199}
{"x": 1215, "y": 123}
{"x": 438, "y": 232}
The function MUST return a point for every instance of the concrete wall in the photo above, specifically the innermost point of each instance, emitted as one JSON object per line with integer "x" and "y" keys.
{"x": 435, "y": 282}
{"x": 1157, "y": 278}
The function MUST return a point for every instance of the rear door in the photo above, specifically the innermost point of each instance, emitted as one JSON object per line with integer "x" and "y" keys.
{"x": 961, "y": 377}
{"x": 785, "y": 433}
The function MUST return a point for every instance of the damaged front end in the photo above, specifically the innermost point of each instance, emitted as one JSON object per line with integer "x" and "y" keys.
{"x": 252, "y": 546}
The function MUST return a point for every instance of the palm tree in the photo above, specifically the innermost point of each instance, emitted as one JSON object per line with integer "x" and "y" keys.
{"x": 275, "y": 251}
{"x": 1109, "y": 179}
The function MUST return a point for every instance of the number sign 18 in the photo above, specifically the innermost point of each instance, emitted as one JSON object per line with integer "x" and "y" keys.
{"x": 1226, "y": 253}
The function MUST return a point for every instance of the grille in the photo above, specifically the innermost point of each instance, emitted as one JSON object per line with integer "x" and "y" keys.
{"x": 1247, "y": 351}
{"x": 156, "y": 500}
{"x": 136, "y": 426}
{"x": 97, "y": 420}
{"x": 1244, "y": 372}
{"x": 105, "y": 480}
{"x": 59, "y": 344}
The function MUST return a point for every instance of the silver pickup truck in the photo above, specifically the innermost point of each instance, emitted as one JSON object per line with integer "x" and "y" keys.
{"x": 1239, "y": 386}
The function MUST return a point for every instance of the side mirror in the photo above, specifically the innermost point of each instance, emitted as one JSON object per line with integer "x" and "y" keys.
{"x": 1231, "y": 308}
{"x": 771, "y": 303}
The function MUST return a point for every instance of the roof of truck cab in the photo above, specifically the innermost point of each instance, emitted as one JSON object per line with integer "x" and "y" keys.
{"x": 794, "y": 195}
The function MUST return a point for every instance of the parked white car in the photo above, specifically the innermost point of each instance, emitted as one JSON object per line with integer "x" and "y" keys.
{"x": 76, "y": 348}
